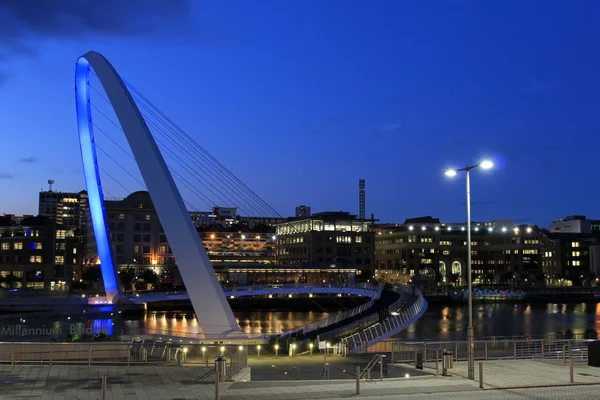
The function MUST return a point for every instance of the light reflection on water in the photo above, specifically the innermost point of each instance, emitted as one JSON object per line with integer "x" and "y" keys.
{"x": 506, "y": 319}
{"x": 439, "y": 322}
{"x": 250, "y": 322}
{"x": 43, "y": 327}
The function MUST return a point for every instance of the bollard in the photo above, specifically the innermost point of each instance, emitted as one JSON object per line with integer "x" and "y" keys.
{"x": 456, "y": 351}
{"x": 217, "y": 376}
{"x": 437, "y": 362}
{"x": 104, "y": 385}
{"x": 480, "y": 375}
{"x": 572, "y": 376}
{"x": 380, "y": 368}
{"x": 542, "y": 349}
{"x": 564, "y": 355}
{"x": 357, "y": 379}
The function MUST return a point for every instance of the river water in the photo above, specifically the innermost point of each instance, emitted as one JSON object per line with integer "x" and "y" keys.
{"x": 506, "y": 319}
{"x": 439, "y": 322}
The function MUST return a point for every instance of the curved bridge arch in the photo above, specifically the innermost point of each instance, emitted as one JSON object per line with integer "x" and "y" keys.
{"x": 195, "y": 267}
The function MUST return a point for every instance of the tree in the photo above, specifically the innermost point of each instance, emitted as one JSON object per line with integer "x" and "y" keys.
{"x": 92, "y": 274}
{"x": 149, "y": 277}
{"x": 127, "y": 276}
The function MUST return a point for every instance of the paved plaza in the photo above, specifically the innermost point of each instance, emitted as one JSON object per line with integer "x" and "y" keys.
{"x": 178, "y": 382}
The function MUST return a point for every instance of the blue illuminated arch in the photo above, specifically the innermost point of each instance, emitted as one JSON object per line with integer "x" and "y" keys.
{"x": 92, "y": 178}
{"x": 210, "y": 304}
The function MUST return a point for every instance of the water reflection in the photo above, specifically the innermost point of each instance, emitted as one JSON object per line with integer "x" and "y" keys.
{"x": 439, "y": 323}
{"x": 521, "y": 319}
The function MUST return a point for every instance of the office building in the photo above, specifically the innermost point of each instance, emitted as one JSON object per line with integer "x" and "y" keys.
{"x": 572, "y": 224}
{"x": 259, "y": 274}
{"x": 225, "y": 247}
{"x": 302, "y": 211}
{"x": 37, "y": 253}
{"x": 68, "y": 209}
{"x": 139, "y": 241}
{"x": 426, "y": 250}
{"x": 327, "y": 238}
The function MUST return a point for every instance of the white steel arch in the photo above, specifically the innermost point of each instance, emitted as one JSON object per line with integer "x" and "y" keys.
{"x": 210, "y": 304}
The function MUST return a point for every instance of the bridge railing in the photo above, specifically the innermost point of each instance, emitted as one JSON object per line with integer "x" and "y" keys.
{"x": 230, "y": 290}
{"x": 329, "y": 320}
{"x": 557, "y": 350}
{"x": 138, "y": 353}
{"x": 401, "y": 314}
{"x": 337, "y": 317}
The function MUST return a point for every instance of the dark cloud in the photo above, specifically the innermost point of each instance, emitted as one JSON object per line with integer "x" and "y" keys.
{"x": 80, "y": 18}
{"x": 28, "y": 160}
{"x": 5, "y": 175}
{"x": 24, "y": 21}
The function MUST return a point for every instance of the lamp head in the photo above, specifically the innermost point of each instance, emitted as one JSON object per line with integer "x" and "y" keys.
{"x": 486, "y": 164}
{"x": 450, "y": 173}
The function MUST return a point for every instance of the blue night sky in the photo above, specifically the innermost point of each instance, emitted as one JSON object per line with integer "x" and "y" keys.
{"x": 300, "y": 99}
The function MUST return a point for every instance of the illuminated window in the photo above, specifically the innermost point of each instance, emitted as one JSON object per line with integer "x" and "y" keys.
{"x": 136, "y": 249}
{"x": 456, "y": 267}
{"x": 530, "y": 251}
{"x": 426, "y": 261}
{"x": 162, "y": 249}
{"x": 38, "y": 246}
{"x": 358, "y": 239}
{"x": 574, "y": 244}
{"x": 576, "y": 263}
{"x": 61, "y": 234}
{"x": 59, "y": 260}
{"x": 5, "y": 246}
{"x": 18, "y": 246}
{"x": 446, "y": 252}
{"x": 121, "y": 216}
{"x": 445, "y": 243}
{"x": 35, "y": 259}
{"x": 575, "y": 254}
{"x": 147, "y": 217}
{"x": 442, "y": 268}
{"x": 74, "y": 250}
{"x": 343, "y": 239}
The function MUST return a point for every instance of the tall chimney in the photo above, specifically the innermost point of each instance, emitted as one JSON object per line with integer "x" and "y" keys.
{"x": 361, "y": 198}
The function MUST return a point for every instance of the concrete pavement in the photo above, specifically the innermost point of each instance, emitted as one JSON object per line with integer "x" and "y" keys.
{"x": 177, "y": 382}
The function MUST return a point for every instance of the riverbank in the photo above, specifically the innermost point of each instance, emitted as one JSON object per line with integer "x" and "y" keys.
{"x": 507, "y": 295}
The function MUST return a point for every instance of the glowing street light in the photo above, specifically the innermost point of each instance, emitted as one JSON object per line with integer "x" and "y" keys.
{"x": 310, "y": 346}
{"x": 258, "y": 349}
{"x": 276, "y": 350}
{"x": 485, "y": 164}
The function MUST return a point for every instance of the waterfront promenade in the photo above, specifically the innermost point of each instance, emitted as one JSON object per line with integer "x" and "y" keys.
{"x": 178, "y": 382}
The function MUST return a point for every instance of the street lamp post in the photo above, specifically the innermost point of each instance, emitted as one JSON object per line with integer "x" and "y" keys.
{"x": 470, "y": 331}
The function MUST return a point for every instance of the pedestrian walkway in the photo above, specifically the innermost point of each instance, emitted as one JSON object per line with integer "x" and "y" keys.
{"x": 529, "y": 373}
{"x": 178, "y": 382}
